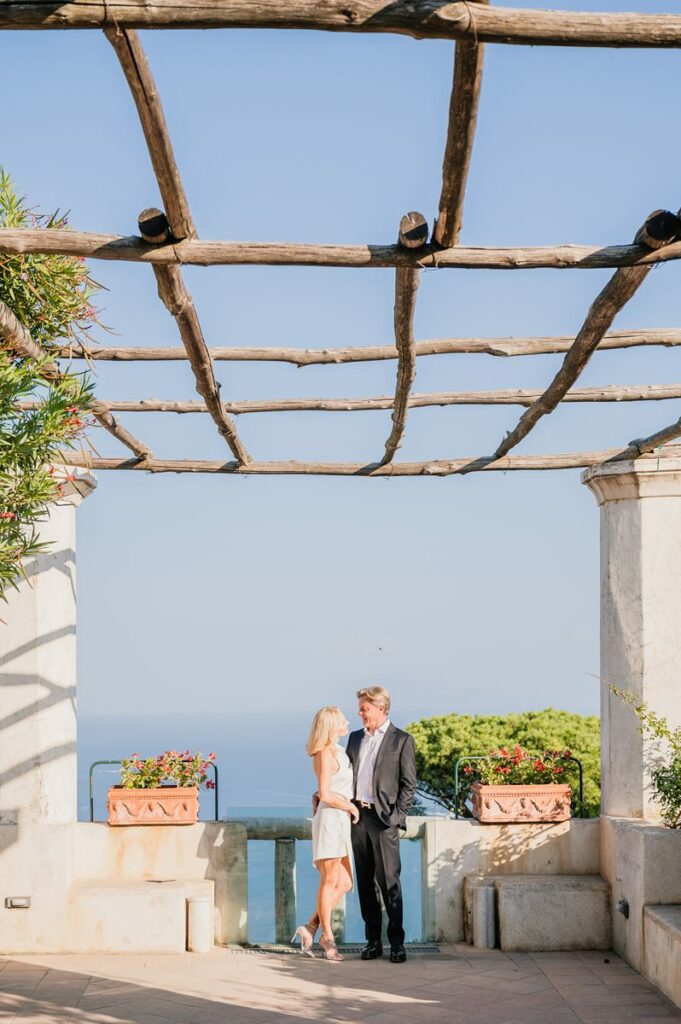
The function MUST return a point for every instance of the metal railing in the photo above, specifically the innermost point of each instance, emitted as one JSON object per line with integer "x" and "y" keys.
{"x": 96, "y": 763}
{"x": 492, "y": 757}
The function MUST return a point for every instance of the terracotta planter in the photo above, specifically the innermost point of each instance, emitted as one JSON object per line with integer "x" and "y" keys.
{"x": 520, "y": 803}
{"x": 165, "y": 805}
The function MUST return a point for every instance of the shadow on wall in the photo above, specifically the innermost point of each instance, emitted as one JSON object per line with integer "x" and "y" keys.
{"x": 15, "y": 714}
{"x": 469, "y": 848}
{"x": 63, "y": 561}
{"x": 9, "y": 828}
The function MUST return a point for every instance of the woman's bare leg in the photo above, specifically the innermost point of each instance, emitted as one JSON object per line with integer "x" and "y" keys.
{"x": 329, "y": 893}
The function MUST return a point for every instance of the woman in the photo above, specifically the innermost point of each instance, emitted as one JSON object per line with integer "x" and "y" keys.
{"x": 331, "y": 848}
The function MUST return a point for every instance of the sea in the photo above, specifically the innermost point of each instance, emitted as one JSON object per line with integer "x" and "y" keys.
{"x": 263, "y": 771}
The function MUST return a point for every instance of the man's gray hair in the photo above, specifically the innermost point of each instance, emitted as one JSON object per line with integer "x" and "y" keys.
{"x": 376, "y": 695}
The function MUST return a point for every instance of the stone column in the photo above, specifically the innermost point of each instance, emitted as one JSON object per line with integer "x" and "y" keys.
{"x": 640, "y": 506}
{"x": 38, "y": 781}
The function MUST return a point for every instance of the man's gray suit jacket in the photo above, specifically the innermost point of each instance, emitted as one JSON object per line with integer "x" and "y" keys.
{"x": 394, "y": 780}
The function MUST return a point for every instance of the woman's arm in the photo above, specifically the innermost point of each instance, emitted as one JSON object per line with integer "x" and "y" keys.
{"x": 325, "y": 766}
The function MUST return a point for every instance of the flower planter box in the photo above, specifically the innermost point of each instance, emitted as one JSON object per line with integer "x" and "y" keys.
{"x": 495, "y": 804}
{"x": 165, "y": 805}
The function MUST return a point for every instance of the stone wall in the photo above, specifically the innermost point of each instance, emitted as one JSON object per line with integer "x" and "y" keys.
{"x": 642, "y": 862}
{"x": 50, "y": 863}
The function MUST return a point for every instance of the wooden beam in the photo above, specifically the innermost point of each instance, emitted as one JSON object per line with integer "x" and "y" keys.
{"x": 413, "y": 233}
{"x": 463, "y": 115}
{"x": 567, "y": 460}
{"x": 197, "y": 252}
{"x": 171, "y": 287}
{"x": 179, "y": 303}
{"x": 428, "y": 19}
{"x": 15, "y": 337}
{"x": 654, "y": 442}
{"x": 153, "y": 226}
{"x": 507, "y": 347}
{"x": 143, "y": 88}
{"x": 406, "y": 289}
{"x": 658, "y": 231}
{"x": 607, "y": 393}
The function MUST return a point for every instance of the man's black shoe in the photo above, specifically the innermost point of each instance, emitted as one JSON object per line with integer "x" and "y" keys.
{"x": 397, "y": 954}
{"x": 371, "y": 951}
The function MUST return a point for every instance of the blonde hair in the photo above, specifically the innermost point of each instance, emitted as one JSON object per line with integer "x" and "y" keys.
{"x": 324, "y": 726}
{"x": 376, "y": 695}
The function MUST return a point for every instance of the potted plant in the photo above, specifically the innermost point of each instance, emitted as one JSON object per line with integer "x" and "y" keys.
{"x": 517, "y": 786}
{"x": 162, "y": 790}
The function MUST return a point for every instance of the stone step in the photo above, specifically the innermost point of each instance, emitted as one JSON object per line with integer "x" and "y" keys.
{"x": 662, "y": 945}
{"x": 527, "y": 913}
{"x": 132, "y": 916}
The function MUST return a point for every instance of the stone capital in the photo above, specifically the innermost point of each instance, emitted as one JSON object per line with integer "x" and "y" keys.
{"x": 78, "y": 485}
{"x": 648, "y": 477}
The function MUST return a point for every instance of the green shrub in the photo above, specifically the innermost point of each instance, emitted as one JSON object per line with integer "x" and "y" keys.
{"x": 441, "y": 740}
{"x": 666, "y": 771}
{"x": 51, "y": 296}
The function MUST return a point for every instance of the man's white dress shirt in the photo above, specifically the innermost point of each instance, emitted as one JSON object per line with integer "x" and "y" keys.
{"x": 368, "y": 752}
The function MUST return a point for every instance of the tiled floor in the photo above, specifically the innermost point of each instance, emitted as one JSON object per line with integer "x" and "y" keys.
{"x": 459, "y": 986}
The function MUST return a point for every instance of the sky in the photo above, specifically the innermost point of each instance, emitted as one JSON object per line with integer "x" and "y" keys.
{"x": 252, "y": 597}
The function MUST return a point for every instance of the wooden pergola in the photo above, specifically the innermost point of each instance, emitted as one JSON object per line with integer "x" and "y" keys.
{"x": 168, "y": 240}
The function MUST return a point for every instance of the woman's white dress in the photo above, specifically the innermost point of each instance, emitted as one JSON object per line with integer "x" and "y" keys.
{"x": 330, "y": 825}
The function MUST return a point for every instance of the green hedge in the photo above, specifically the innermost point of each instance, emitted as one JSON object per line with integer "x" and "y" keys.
{"x": 441, "y": 740}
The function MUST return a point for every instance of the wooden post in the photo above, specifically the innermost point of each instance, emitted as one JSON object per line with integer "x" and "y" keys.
{"x": 413, "y": 230}
{"x": 463, "y": 114}
{"x": 284, "y": 889}
{"x": 153, "y": 226}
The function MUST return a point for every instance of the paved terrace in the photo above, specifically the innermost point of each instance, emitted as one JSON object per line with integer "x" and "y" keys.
{"x": 459, "y": 986}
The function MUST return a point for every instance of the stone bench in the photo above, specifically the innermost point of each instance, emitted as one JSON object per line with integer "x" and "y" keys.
{"x": 132, "y": 916}
{"x": 662, "y": 949}
{"x": 526, "y": 913}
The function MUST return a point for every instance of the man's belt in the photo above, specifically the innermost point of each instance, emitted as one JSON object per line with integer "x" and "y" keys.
{"x": 365, "y": 805}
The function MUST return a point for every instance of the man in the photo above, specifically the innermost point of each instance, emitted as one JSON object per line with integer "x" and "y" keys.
{"x": 383, "y": 759}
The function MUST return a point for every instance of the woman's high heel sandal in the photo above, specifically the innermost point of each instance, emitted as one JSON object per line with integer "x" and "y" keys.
{"x": 306, "y": 940}
{"x": 330, "y": 950}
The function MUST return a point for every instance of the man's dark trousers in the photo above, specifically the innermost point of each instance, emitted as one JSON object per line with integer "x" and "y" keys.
{"x": 376, "y": 848}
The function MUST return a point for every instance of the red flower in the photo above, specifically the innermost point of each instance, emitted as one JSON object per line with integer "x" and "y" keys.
{"x": 210, "y": 785}
{"x": 540, "y": 766}
{"x": 504, "y": 752}
{"x": 211, "y": 757}
{"x": 504, "y": 769}
{"x": 467, "y": 770}
{"x": 8, "y": 515}
{"x": 567, "y": 753}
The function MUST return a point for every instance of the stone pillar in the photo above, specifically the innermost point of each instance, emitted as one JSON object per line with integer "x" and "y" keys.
{"x": 640, "y": 506}
{"x": 38, "y": 782}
